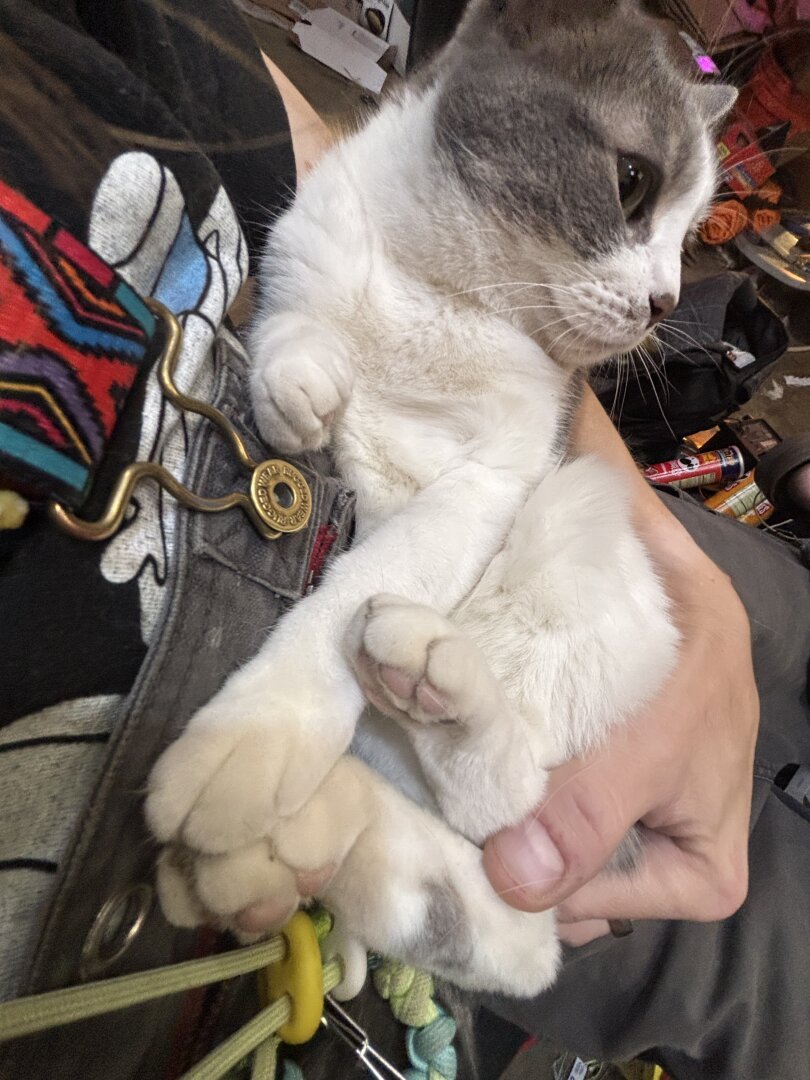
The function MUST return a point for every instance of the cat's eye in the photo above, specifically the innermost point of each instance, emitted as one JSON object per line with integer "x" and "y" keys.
{"x": 636, "y": 182}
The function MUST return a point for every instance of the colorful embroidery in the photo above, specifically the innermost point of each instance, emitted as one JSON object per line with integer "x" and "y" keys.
{"x": 73, "y": 337}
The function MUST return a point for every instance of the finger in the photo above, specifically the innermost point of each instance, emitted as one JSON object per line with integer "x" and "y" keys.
{"x": 671, "y": 882}
{"x": 587, "y": 812}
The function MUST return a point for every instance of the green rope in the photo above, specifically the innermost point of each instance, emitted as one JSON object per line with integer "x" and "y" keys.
{"x": 255, "y": 1032}
{"x": 26, "y": 1016}
{"x": 409, "y": 993}
{"x": 321, "y": 920}
{"x": 429, "y": 1040}
{"x": 247, "y": 1038}
{"x": 264, "y": 1060}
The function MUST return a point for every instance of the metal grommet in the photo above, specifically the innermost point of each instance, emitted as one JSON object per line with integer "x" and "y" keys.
{"x": 281, "y": 495}
{"x": 115, "y": 927}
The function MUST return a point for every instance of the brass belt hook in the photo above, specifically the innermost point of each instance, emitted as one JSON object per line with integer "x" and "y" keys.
{"x": 279, "y": 499}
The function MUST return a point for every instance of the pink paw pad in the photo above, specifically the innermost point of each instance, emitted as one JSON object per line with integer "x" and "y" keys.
{"x": 396, "y": 681}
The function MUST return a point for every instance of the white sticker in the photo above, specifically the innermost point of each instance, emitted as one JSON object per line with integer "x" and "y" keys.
{"x": 579, "y": 1070}
{"x": 740, "y": 358}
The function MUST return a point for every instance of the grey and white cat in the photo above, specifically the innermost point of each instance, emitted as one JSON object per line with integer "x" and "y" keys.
{"x": 430, "y": 302}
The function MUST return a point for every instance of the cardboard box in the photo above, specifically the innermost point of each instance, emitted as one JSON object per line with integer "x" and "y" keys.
{"x": 274, "y": 12}
{"x": 347, "y": 48}
{"x": 745, "y": 166}
{"x": 384, "y": 19}
{"x": 292, "y": 10}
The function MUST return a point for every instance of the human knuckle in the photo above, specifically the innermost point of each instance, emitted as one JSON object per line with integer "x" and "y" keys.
{"x": 727, "y": 892}
{"x": 582, "y": 833}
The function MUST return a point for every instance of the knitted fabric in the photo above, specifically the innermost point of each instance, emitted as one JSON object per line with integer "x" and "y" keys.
{"x": 429, "y": 1040}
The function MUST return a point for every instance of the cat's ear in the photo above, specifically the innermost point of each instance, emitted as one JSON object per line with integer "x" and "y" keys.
{"x": 714, "y": 100}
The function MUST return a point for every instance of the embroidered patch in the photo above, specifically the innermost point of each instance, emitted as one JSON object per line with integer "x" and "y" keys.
{"x": 73, "y": 336}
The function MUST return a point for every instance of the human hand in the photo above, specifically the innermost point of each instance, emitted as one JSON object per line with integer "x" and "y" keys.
{"x": 682, "y": 768}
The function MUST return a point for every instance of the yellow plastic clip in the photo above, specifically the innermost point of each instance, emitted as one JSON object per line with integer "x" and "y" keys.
{"x": 299, "y": 975}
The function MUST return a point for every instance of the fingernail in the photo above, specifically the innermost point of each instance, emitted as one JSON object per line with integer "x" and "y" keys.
{"x": 530, "y": 857}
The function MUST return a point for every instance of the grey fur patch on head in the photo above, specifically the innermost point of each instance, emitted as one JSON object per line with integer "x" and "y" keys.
{"x": 444, "y": 938}
{"x": 538, "y": 99}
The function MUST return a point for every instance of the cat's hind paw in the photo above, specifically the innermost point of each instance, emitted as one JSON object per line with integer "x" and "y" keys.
{"x": 255, "y": 889}
{"x": 395, "y": 878}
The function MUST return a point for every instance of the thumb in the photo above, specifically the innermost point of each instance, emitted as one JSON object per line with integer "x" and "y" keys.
{"x": 587, "y": 811}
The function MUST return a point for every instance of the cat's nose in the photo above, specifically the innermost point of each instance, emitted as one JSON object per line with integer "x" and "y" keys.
{"x": 661, "y": 307}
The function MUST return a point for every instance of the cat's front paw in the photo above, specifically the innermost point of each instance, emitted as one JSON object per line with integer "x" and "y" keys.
{"x": 418, "y": 668}
{"x": 301, "y": 381}
{"x": 413, "y": 664}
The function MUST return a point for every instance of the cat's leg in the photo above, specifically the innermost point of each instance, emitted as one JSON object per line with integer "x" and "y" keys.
{"x": 315, "y": 276}
{"x": 398, "y": 881}
{"x": 574, "y": 634}
{"x": 416, "y": 666}
{"x": 265, "y": 742}
{"x": 301, "y": 380}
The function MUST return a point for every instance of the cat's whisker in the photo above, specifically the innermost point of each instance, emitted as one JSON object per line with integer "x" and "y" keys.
{"x": 626, "y": 365}
{"x": 668, "y": 328}
{"x": 584, "y": 339}
{"x": 552, "y": 347}
{"x": 763, "y": 154}
{"x": 620, "y": 360}
{"x": 515, "y": 284}
{"x": 527, "y": 307}
{"x": 646, "y": 360}
{"x": 651, "y": 367}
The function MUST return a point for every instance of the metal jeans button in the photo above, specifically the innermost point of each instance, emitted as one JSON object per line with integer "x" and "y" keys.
{"x": 115, "y": 927}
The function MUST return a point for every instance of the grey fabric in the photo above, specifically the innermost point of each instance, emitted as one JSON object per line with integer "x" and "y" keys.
{"x": 228, "y": 587}
{"x": 726, "y": 1001}
{"x": 43, "y": 789}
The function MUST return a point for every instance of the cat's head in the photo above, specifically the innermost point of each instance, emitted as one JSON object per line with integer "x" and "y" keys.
{"x": 588, "y": 149}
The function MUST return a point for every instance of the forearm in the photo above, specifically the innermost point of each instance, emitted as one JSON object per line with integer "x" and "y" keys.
{"x": 670, "y": 544}
{"x": 309, "y": 135}
{"x": 594, "y": 433}
{"x": 702, "y": 593}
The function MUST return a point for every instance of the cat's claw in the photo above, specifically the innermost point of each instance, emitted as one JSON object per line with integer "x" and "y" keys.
{"x": 301, "y": 381}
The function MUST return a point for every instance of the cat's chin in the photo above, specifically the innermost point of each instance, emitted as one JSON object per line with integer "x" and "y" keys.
{"x": 589, "y": 351}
